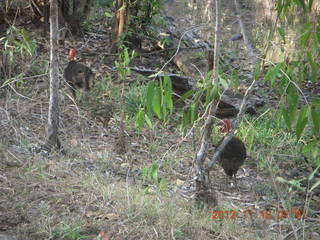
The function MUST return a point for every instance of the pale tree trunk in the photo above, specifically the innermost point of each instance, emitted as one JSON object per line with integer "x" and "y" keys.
{"x": 53, "y": 116}
{"x": 216, "y": 57}
{"x": 122, "y": 19}
{"x": 119, "y": 24}
{"x": 203, "y": 192}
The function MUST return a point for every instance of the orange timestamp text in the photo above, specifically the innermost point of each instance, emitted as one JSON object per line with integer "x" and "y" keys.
{"x": 263, "y": 214}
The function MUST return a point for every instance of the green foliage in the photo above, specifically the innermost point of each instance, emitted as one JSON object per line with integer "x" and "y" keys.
{"x": 158, "y": 102}
{"x": 206, "y": 90}
{"x": 299, "y": 110}
{"x": 311, "y": 150}
{"x": 284, "y": 7}
{"x": 68, "y": 232}
{"x": 135, "y": 99}
{"x": 297, "y": 184}
{"x": 18, "y": 44}
{"x": 147, "y": 9}
{"x": 145, "y": 18}
{"x": 151, "y": 173}
{"x": 18, "y": 48}
{"x": 281, "y": 78}
{"x": 315, "y": 116}
{"x": 293, "y": 183}
{"x": 123, "y": 62}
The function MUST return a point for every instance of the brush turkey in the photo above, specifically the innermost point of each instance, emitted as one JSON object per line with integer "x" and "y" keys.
{"x": 233, "y": 155}
{"x": 77, "y": 75}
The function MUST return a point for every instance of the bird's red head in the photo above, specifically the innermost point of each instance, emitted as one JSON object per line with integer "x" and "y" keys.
{"x": 72, "y": 54}
{"x": 226, "y": 125}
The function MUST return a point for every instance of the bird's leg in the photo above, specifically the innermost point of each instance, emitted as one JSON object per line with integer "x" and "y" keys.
{"x": 235, "y": 182}
{"x": 227, "y": 180}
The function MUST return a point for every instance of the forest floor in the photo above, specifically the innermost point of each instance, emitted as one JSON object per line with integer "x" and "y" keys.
{"x": 89, "y": 190}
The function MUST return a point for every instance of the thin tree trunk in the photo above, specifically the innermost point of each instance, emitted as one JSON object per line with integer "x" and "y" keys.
{"x": 228, "y": 137}
{"x": 216, "y": 57}
{"x": 202, "y": 191}
{"x": 120, "y": 146}
{"x": 119, "y": 24}
{"x": 53, "y": 116}
{"x": 124, "y": 11}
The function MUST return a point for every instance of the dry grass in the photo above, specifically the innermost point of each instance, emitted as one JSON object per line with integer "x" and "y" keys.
{"x": 91, "y": 189}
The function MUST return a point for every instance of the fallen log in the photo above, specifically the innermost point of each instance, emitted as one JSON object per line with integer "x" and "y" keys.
{"x": 180, "y": 84}
{"x": 229, "y": 104}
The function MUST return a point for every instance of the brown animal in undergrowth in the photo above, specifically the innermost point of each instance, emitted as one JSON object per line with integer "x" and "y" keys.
{"x": 233, "y": 155}
{"x": 77, "y": 75}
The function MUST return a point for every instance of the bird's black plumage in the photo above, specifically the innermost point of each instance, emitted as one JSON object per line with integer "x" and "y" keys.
{"x": 77, "y": 75}
{"x": 232, "y": 156}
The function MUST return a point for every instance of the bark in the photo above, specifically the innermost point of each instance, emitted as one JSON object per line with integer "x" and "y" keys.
{"x": 40, "y": 10}
{"x": 53, "y": 116}
{"x": 216, "y": 56}
{"x": 119, "y": 24}
{"x": 125, "y": 9}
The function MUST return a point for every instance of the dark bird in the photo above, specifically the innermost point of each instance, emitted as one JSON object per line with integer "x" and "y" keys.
{"x": 77, "y": 75}
{"x": 234, "y": 153}
{"x": 236, "y": 37}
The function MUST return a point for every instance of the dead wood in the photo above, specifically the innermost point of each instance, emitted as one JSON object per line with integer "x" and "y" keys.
{"x": 180, "y": 84}
{"x": 229, "y": 103}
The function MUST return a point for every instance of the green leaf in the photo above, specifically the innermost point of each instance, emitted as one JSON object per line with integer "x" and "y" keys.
{"x": 224, "y": 82}
{"x": 140, "y": 118}
{"x": 273, "y": 73}
{"x": 315, "y": 115}
{"x": 186, "y": 95}
{"x": 169, "y": 85}
{"x": 212, "y": 93}
{"x": 306, "y": 35}
{"x": 168, "y": 93}
{"x": 293, "y": 96}
{"x": 297, "y": 184}
{"x": 215, "y": 92}
{"x": 154, "y": 172}
{"x": 150, "y": 94}
{"x": 311, "y": 176}
{"x": 209, "y": 94}
{"x": 301, "y": 3}
{"x": 164, "y": 111}
{"x": 186, "y": 119}
{"x": 302, "y": 121}
{"x": 108, "y": 14}
{"x": 156, "y": 102}
{"x": 317, "y": 184}
{"x": 282, "y": 34}
{"x": 148, "y": 121}
{"x": 194, "y": 112}
{"x": 318, "y": 30}
{"x": 286, "y": 117}
{"x": 257, "y": 71}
